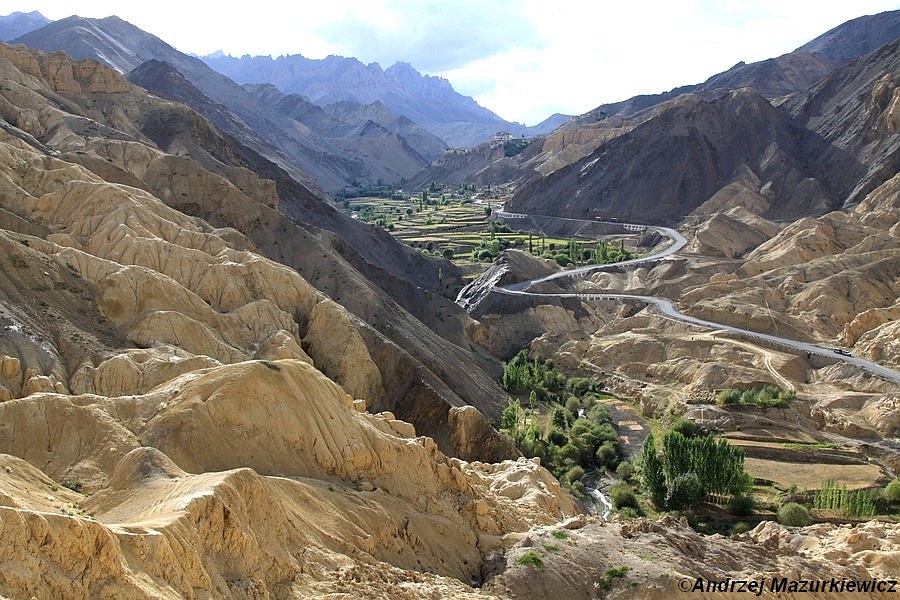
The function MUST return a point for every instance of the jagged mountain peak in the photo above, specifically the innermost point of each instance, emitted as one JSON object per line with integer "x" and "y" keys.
{"x": 429, "y": 101}
{"x": 19, "y": 23}
{"x": 307, "y": 150}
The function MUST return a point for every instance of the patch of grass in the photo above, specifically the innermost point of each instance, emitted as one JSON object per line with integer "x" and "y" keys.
{"x": 551, "y": 547}
{"x": 611, "y": 576}
{"x": 531, "y": 558}
{"x": 560, "y": 535}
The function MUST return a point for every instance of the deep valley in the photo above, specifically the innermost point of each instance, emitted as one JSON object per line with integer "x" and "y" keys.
{"x": 261, "y": 342}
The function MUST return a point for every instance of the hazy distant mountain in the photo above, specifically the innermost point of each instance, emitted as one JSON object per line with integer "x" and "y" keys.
{"x": 428, "y": 101}
{"x": 319, "y": 160}
{"x": 548, "y": 125}
{"x": 387, "y": 148}
{"x": 16, "y": 24}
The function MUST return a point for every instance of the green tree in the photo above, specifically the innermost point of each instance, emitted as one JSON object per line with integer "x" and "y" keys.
{"x": 559, "y": 419}
{"x": 652, "y": 478}
{"x": 509, "y": 418}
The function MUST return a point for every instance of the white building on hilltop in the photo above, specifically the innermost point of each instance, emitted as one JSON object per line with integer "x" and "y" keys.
{"x": 501, "y": 137}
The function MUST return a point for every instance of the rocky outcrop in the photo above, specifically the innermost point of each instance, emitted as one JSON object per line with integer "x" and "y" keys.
{"x": 282, "y": 458}
{"x": 666, "y": 558}
{"x": 146, "y": 261}
{"x": 731, "y": 234}
{"x": 832, "y": 279}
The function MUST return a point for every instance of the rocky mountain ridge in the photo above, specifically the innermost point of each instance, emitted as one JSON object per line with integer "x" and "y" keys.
{"x": 319, "y": 161}
{"x": 214, "y": 384}
{"x": 161, "y": 320}
{"x": 696, "y": 149}
{"x": 585, "y": 135}
{"x": 18, "y": 23}
{"x": 429, "y": 101}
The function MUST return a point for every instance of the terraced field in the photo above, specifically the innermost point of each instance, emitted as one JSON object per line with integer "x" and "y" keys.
{"x": 459, "y": 229}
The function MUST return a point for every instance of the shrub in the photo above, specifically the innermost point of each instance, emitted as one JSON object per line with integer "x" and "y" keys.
{"x": 560, "y": 534}
{"x": 607, "y": 455}
{"x": 741, "y": 505}
{"x": 739, "y": 528}
{"x": 622, "y": 496}
{"x": 892, "y": 491}
{"x": 611, "y": 576}
{"x": 75, "y": 486}
{"x": 568, "y": 453}
{"x": 574, "y": 474}
{"x": 685, "y": 427}
{"x": 625, "y": 470}
{"x": 557, "y": 438}
{"x": 628, "y": 513}
{"x": 793, "y": 515}
{"x": 684, "y": 492}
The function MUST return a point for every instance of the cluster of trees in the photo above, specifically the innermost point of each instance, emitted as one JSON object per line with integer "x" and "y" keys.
{"x": 580, "y": 435}
{"x": 834, "y": 497}
{"x": 513, "y": 147}
{"x": 576, "y": 253}
{"x": 376, "y": 190}
{"x": 691, "y": 468}
{"x": 574, "y": 443}
{"x": 541, "y": 377}
{"x": 767, "y": 397}
{"x": 572, "y": 252}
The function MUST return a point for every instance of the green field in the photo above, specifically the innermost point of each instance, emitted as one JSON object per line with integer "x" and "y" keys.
{"x": 461, "y": 230}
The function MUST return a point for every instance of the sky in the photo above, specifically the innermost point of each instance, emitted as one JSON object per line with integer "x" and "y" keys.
{"x": 523, "y": 59}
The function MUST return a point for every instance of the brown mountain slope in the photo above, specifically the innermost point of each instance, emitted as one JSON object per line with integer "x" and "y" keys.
{"x": 219, "y": 420}
{"x": 668, "y": 166}
{"x": 418, "y": 369}
{"x": 855, "y": 111}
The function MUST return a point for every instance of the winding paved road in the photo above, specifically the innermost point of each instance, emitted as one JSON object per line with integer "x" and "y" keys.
{"x": 666, "y": 308}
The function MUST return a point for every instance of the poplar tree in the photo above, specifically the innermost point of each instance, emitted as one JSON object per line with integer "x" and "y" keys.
{"x": 652, "y": 478}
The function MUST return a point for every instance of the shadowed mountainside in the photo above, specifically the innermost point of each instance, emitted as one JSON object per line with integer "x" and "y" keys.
{"x": 701, "y": 153}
